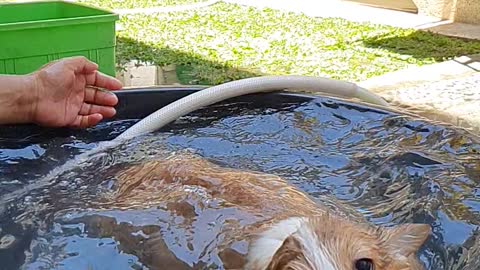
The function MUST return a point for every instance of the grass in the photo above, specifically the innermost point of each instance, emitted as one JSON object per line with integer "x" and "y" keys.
{"x": 273, "y": 42}
{"x": 225, "y": 42}
{"x": 120, "y": 4}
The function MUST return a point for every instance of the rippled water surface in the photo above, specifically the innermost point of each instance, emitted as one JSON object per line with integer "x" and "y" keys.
{"x": 392, "y": 169}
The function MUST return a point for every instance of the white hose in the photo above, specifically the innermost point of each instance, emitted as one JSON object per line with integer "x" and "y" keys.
{"x": 218, "y": 93}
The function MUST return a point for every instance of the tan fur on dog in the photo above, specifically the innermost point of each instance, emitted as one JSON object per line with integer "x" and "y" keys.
{"x": 291, "y": 231}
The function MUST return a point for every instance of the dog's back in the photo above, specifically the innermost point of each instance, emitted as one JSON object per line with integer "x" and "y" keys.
{"x": 262, "y": 194}
{"x": 284, "y": 228}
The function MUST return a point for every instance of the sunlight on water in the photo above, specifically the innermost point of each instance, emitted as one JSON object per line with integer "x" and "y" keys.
{"x": 391, "y": 169}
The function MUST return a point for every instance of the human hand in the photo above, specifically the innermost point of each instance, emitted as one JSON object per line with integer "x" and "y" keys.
{"x": 66, "y": 94}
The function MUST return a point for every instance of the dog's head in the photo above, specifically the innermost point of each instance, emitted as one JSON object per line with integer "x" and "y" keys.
{"x": 330, "y": 243}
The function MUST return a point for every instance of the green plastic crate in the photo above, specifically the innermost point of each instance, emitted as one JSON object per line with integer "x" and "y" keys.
{"x": 35, "y": 33}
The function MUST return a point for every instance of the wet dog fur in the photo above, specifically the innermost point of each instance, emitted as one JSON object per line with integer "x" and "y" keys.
{"x": 294, "y": 232}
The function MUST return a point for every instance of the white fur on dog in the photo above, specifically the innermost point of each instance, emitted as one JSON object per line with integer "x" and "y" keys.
{"x": 270, "y": 241}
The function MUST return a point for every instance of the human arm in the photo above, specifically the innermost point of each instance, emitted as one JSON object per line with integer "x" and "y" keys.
{"x": 64, "y": 93}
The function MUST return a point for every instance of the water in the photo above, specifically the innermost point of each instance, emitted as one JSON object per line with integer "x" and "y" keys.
{"x": 392, "y": 169}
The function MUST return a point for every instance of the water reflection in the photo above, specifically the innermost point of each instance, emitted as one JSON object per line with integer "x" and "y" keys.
{"x": 392, "y": 169}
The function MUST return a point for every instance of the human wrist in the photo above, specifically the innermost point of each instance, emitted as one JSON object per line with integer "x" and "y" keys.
{"x": 18, "y": 99}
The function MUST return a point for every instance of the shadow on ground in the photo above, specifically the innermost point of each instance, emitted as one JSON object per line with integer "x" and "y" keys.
{"x": 425, "y": 45}
{"x": 190, "y": 68}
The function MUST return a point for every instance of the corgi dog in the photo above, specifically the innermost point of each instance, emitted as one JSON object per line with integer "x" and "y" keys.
{"x": 287, "y": 228}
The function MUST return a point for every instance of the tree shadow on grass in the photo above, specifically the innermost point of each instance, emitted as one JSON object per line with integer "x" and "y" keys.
{"x": 425, "y": 45}
{"x": 190, "y": 68}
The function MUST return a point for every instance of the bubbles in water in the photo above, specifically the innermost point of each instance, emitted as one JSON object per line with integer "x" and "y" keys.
{"x": 6, "y": 241}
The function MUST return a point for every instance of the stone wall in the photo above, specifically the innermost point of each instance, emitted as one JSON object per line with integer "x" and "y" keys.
{"x": 436, "y": 8}
{"x": 466, "y": 11}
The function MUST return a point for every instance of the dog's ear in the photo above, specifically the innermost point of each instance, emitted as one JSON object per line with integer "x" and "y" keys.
{"x": 405, "y": 240}
{"x": 289, "y": 251}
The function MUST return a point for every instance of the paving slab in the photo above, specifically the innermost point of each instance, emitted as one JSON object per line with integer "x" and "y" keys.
{"x": 140, "y": 74}
{"x": 447, "y": 91}
{"x": 459, "y": 67}
{"x": 453, "y": 29}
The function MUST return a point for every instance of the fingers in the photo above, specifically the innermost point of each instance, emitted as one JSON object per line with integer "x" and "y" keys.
{"x": 90, "y": 115}
{"x": 100, "y": 97}
{"x": 105, "y": 111}
{"x": 97, "y": 102}
{"x": 99, "y": 79}
{"x": 81, "y": 64}
{"x": 85, "y": 121}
